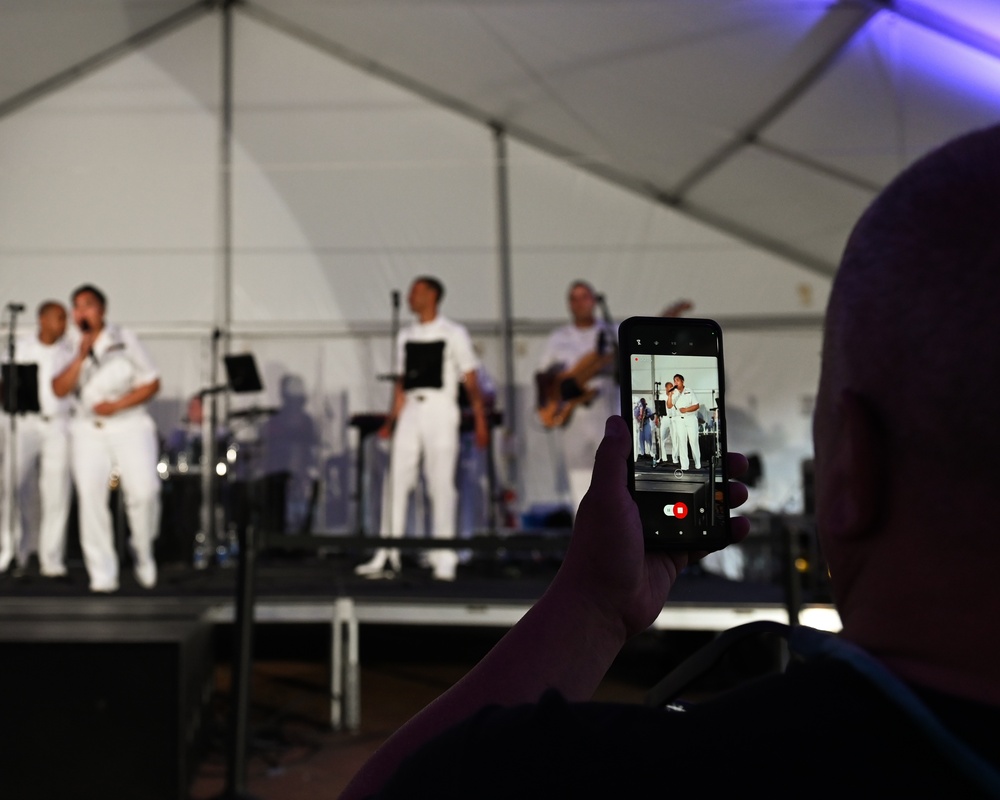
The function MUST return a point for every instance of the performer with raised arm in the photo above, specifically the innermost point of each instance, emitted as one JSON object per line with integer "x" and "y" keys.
{"x": 643, "y": 418}
{"x": 666, "y": 424}
{"x": 686, "y": 405}
{"x": 436, "y": 354}
{"x": 112, "y": 378}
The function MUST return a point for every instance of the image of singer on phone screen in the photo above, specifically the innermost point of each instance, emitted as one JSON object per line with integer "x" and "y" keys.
{"x": 672, "y": 392}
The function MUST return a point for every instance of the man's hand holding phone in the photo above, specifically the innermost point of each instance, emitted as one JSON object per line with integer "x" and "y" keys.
{"x": 607, "y": 566}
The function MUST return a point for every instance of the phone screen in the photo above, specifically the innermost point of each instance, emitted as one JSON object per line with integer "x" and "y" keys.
{"x": 672, "y": 396}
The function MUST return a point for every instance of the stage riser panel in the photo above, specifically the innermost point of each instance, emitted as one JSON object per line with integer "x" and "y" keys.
{"x": 109, "y": 708}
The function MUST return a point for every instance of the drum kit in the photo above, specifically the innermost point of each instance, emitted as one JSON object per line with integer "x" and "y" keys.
{"x": 207, "y": 500}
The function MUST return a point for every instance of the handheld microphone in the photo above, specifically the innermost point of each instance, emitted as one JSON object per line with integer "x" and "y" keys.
{"x": 85, "y": 327}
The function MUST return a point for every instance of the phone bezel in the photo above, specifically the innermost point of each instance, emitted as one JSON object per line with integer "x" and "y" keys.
{"x": 721, "y": 534}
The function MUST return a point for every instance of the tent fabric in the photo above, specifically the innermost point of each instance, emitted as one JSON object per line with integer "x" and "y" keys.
{"x": 686, "y": 101}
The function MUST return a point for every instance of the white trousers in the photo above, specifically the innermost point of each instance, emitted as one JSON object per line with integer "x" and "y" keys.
{"x": 42, "y": 454}
{"x": 426, "y": 430}
{"x": 129, "y": 443}
{"x": 665, "y": 433}
{"x": 687, "y": 434}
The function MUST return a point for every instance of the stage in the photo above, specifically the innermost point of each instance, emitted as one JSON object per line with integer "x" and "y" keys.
{"x": 296, "y": 586}
{"x": 96, "y": 654}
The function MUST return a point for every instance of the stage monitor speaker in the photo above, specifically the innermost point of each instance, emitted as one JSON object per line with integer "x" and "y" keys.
{"x": 110, "y": 708}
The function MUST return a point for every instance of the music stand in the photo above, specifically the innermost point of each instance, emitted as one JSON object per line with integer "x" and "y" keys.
{"x": 20, "y": 388}
{"x": 241, "y": 371}
{"x": 20, "y": 396}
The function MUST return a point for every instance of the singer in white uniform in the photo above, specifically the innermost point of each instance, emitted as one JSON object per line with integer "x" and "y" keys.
{"x": 686, "y": 403}
{"x": 566, "y": 346}
{"x": 424, "y": 423}
{"x": 668, "y": 427}
{"x": 113, "y": 378}
{"x": 41, "y": 453}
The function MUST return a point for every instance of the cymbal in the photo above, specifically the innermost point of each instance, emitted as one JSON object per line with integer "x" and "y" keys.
{"x": 252, "y": 411}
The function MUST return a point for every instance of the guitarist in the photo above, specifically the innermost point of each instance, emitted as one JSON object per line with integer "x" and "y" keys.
{"x": 579, "y": 364}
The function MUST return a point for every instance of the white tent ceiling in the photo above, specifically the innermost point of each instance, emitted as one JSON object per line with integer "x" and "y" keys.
{"x": 774, "y": 120}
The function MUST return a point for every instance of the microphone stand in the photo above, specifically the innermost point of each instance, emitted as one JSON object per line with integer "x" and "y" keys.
{"x": 11, "y": 390}
{"x": 657, "y": 449}
{"x": 385, "y": 506}
{"x": 209, "y": 454}
{"x": 393, "y": 366}
{"x": 606, "y": 314}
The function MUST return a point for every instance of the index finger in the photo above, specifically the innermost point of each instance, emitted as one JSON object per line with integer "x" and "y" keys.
{"x": 611, "y": 461}
{"x": 738, "y": 465}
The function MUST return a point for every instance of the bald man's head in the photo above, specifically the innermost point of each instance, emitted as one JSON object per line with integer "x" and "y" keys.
{"x": 914, "y": 313}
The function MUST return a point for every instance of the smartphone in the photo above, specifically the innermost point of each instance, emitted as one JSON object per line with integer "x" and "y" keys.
{"x": 673, "y": 397}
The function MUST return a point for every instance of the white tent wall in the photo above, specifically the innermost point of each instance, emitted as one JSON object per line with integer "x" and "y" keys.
{"x": 345, "y": 187}
{"x": 114, "y": 181}
{"x": 351, "y": 187}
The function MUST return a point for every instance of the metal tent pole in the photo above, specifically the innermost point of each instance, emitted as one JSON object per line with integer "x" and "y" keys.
{"x": 506, "y": 314}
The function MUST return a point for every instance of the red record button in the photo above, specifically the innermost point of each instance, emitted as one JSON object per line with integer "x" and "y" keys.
{"x": 680, "y": 510}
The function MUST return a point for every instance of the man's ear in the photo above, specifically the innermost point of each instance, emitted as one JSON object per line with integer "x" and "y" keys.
{"x": 851, "y": 490}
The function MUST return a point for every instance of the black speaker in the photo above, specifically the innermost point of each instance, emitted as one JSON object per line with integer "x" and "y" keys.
{"x": 102, "y": 708}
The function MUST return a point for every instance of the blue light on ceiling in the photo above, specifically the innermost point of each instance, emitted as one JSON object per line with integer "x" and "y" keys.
{"x": 968, "y": 18}
{"x": 935, "y": 58}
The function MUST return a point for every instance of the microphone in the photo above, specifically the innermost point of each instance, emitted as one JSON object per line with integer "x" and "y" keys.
{"x": 85, "y": 327}
{"x": 15, "y": 308}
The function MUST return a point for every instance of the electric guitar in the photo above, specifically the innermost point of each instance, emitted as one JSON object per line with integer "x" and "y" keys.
{"x": 560, "y": 392}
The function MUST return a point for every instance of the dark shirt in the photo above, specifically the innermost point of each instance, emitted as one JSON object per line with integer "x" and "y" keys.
{"x": 819, "y": 730}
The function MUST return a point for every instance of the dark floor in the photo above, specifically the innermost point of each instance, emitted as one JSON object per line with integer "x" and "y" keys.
{"x": 293, "y": 754}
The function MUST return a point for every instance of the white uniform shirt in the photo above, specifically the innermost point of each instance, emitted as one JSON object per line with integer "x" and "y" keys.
{"x": 50, "y": 358}
{"x": 567, "y": 344}
{"x": 458, "y": 359}
{"x": 686, "y": 398}
{"x": 118, "y": 365}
